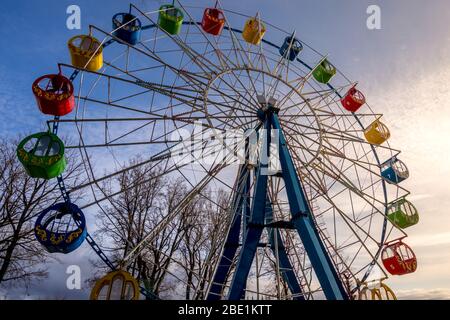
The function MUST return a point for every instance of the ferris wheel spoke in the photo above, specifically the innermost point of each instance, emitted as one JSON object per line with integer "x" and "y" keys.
{"x": 196, "y": 102}
{"x": 313, "y": 102}
{"x": 156, "y": 117}
{"x": 343, "y": 180}
{"x": 342, "y": 170}
{"x": 332, "y": 151}
{"x": 258, "y": 56}
{"x": 241, "y": 59}
{"x": 345, "y": 218}
{"x": 294, "y": 89}
{"x": 194, "y": 78}
{"x": 343, "y": 137}
{"x": 170, "y": 216}
{"x": 225, "y": 62}
{"x": 189, "y": 119}
{"x": 280, "y": 65}
{"x": 201, "y": 61}
{"x": 353, "y": 230}
{"x": 291, "y": 124}
{"x": 163, "y": 162}
{"x": 251, "y": 101}
{"x": 347, "y": 183}
{"x": 186, "y": 88}
{"x": 177, "y": 93}
{"x": 162, "y": 155}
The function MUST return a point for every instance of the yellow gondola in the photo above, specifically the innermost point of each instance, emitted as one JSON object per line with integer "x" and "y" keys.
{"x": 254, "y": 30}
{"x": 86, "y": 52}
{"x": 381, "y": 292}
{"x": 116, "y": 285}
{"x": 377, "y": 133}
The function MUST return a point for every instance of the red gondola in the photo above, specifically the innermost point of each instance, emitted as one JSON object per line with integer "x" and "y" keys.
{"x": 353, "y": 100}
{"x": 213, "y": 21}
{"x": 398, "y": 258}
{"x": 54, "y": 94}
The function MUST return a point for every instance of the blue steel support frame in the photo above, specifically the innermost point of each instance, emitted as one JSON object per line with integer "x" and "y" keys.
{"x": 286, "y": 269}
{"x": 255, "y": 225}
{"x": 232, "y": 241}
{"x": 303, "y": 221}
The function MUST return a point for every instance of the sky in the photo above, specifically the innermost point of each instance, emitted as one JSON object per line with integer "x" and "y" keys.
{"x": 403, "y": 69}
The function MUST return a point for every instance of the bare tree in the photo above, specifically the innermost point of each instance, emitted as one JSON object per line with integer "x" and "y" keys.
{"x": 204, "y": 222}
{"x": 136, "y": 211}
{"x": 21, "y": 199}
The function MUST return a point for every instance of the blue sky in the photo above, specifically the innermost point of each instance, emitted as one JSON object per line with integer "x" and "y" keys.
{"x": 404, "y": 70}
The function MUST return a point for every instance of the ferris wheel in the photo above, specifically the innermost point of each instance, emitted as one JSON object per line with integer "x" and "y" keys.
{"x": 226, "y": 101}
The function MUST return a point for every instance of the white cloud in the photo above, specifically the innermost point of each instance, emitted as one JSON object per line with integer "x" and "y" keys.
{"x": 430, "y": 239}
{"x": 424, "y": 294}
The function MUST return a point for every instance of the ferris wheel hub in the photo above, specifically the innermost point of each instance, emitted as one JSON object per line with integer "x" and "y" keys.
{"x": 268, "y": 106}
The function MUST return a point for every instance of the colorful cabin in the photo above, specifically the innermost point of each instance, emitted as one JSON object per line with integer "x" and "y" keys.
{"x": 170, "y": 19}
{"x": 377, "y": 133}
{"x": 54, "y": 94}
{"x": 86, "y": 52}
{"x": 61, "y": 228}
{"x": 42, "y": 155}
{"x": 213, "y": 21}
{"x": 254, "y": 31}
{"x": 128, "y": 28}
{"x": 398, "y": 258}
{"x": 116, "y": 285}
{"x": 394, "y": 171}
{"x": 324, "y": 71}
{"x": 403, "y": 214}
{"x": 381, "y": 292}
{"x": 291, "y": 48}
{"x": 353, "y": 100}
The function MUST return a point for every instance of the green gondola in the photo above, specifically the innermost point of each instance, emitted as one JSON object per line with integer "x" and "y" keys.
{"x": 42, "y": 155}
{"x": 170, "y": 19}
{"x": 403, "y": 213}
{"x": 324, "y": 72}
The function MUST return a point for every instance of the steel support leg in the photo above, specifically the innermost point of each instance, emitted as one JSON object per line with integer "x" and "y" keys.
{"x": 255, "y": 225}
{"x": 303, "y": 221}
{"x": 286, "y": 269}
{"x": 232, "y": 241}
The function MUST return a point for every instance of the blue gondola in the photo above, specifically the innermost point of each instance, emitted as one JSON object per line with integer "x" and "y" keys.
{"x": 130, "y": 28}
{"x": 294, "y": 50}
{"x": 394, "y": 171}
{"x": 61, "y": 228}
